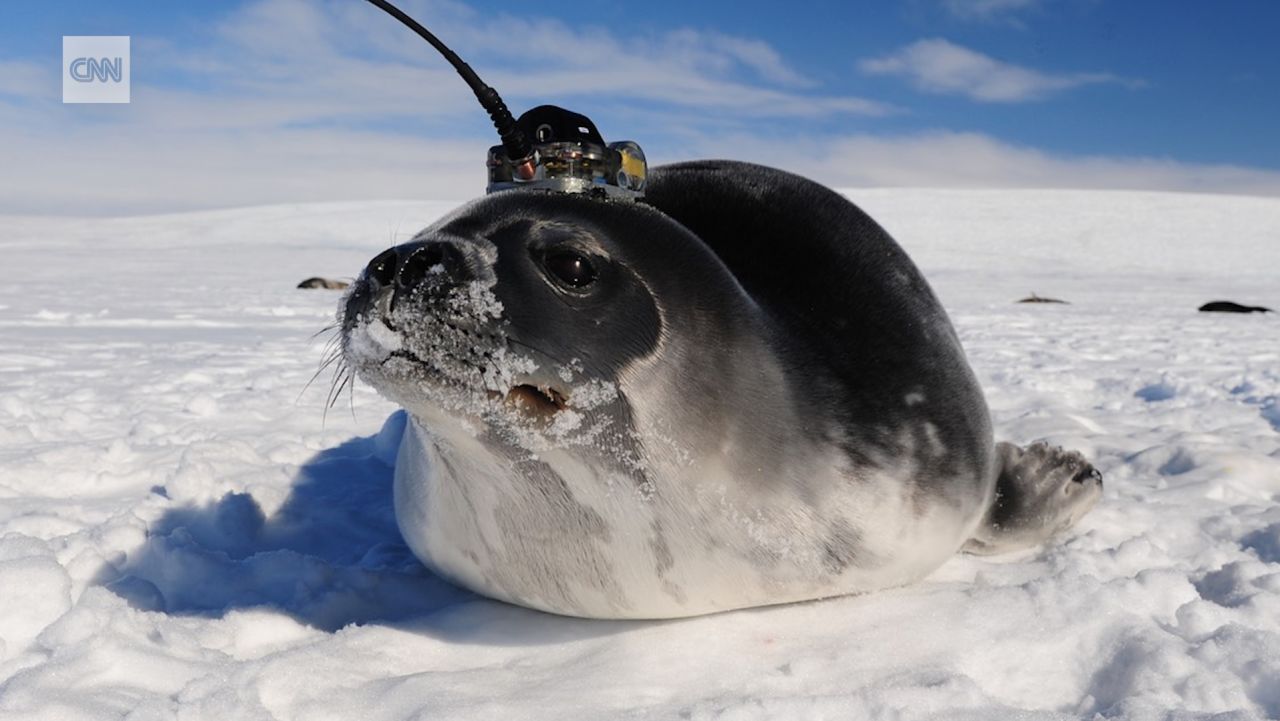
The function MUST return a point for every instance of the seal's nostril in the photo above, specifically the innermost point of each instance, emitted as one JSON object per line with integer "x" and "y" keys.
{"x": 382, "y": 269}
{"x": 419, "y": 264}
{"x": 1088, "y": 473}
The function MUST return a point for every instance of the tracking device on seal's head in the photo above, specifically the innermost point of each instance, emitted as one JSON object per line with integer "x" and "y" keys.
{"x": 549, "y": 148}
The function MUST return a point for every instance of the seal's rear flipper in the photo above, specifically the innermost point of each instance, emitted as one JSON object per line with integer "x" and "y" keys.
{"x": 1040, "y": 491}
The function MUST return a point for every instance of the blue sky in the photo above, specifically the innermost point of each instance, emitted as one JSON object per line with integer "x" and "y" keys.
{"x": 266, "y": 101}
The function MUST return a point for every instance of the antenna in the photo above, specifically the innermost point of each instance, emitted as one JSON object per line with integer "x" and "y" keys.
{"x": 548, "y": 148}
{"x": 519, "y": 151}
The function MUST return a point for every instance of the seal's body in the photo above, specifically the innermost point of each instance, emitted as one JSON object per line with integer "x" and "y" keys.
{"x": 741, "y": 392}
{"x": 1226, "y": 306}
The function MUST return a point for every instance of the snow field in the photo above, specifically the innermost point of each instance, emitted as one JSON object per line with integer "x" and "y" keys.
{"x": 185, "y": 534}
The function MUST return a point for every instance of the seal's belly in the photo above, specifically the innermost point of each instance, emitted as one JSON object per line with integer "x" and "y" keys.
{"x": 678, "y": 549}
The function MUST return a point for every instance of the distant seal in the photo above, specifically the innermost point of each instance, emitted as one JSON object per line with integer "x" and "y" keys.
{"x": 323, "y": 284}
{"x": 1226, "y": 306}
{"x": 740, "y": 392}
{"x": 1033, "y": 298}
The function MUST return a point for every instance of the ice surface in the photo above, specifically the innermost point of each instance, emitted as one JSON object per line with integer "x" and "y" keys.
{"x": 184, "y": 536}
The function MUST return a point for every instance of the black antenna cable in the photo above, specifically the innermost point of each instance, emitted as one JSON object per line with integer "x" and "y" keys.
{"x": 519, "y": 151}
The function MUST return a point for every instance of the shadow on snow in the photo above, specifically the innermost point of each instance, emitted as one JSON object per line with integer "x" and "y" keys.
{"x": 330, "y": 557}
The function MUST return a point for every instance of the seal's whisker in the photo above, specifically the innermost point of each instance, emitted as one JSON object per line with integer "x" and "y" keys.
{"x": 330, "y": 358}
{"x": 331, "y": 328}
{"x": 343, "y": 377}
{"x": 341, "y": 380}
{"x": 351, "y": 397}
{"x": 335, "y": 346}
{"x": 332, "y": 355}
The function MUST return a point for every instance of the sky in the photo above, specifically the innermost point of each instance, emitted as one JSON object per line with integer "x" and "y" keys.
{"x": 279, "y": 101}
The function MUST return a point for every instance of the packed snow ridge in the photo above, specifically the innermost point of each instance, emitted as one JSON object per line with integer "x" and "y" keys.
{"x": 186, "y": 534}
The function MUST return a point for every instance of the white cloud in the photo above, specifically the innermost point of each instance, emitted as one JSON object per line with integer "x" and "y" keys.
{"x": 970, "y": 160}
{"x": 937, "y": 66}
{"x": 340, "y": 51}
{"x": 720, "y": 52}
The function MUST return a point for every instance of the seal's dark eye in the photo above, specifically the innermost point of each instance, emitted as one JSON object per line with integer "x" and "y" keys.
{"x": 571, "y": 268}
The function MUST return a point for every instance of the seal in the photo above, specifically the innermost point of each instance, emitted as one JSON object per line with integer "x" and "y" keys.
{"x": 740, "y": 392}
{"x": 1227, "y": 306}
{"x": 1033, "y": 298}
{"x": 323, "y": 284}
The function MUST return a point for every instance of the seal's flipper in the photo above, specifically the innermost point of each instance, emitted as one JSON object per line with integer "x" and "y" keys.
{"x": 1041, "y": 490}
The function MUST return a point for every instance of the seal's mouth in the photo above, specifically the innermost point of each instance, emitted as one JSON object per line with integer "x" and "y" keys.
{"x": 535, "y": 402}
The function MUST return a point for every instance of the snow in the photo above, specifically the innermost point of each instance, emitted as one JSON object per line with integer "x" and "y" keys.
{"x": 185, "y": 533}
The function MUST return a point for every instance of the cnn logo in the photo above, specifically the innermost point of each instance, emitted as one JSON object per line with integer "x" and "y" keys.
{"x": 95, "y": 68}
